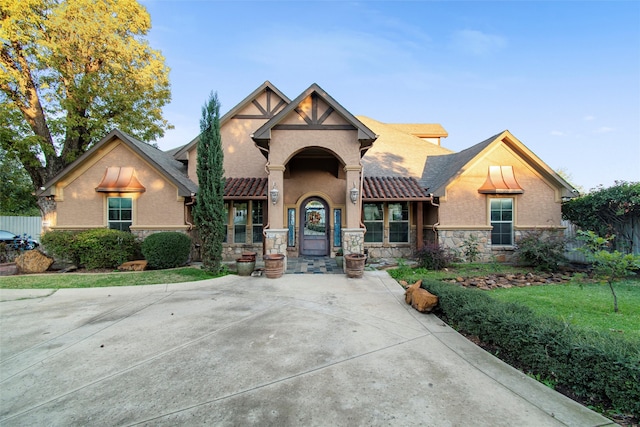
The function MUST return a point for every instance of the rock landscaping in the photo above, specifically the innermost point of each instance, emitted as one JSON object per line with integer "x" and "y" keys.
{"x": 500, "y": 280}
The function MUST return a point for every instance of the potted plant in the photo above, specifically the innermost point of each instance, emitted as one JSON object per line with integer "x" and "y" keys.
{"x": 354, "y": 265}
{"x": 340, "y": 258}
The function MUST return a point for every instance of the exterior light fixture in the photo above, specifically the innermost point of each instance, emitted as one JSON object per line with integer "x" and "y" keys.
{"x": 353, "y": 193}
{"x": 275, "y": 194}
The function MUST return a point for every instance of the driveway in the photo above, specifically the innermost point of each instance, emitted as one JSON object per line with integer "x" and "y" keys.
{"x": 301, "y": 350}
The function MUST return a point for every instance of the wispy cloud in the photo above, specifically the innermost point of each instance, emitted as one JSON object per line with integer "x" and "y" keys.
{"x": 604, "y": 129}
{"x": 588, "y": 118}
{"x": 477, "y": 43}
{"x": 557, "y": 133}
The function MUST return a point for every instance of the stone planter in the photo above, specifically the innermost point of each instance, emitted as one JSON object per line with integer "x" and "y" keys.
{"x": 245, "y": 266}
{"x": 354, "y": 265}
{"x": 273, "y": 265}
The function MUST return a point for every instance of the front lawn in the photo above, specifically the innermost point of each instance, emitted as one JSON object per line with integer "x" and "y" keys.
{"x": 96, "y": 280}
{"x": 581, "y": 303}
{"x": 586, "y": 305}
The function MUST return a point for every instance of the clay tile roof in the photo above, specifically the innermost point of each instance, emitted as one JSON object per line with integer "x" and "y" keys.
{"x": 245, "y": 188}
{"x": 393, "y": 188}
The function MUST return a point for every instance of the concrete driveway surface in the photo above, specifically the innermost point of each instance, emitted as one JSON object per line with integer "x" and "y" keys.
{"x": 301, "y": 350}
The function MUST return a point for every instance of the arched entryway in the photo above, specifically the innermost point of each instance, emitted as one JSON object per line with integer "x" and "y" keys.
{"x": 314, "y": 227}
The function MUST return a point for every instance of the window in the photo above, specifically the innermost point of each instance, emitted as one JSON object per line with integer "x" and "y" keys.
{"x": 226, "y": 222}
{"x": 374, "y": 221}
{"x": 257, "y": 216}
{"x": 337, "y": 227}
{"x": 291, "y": 225}
{"x": 398, "y": 222}
{"x": 239, "y": 222}
{"x": 502, "y": 221}
{"x": 120, "y": 213}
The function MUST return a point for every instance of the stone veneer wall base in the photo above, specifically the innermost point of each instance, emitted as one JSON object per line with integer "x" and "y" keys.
{"x": 276, "y": 242}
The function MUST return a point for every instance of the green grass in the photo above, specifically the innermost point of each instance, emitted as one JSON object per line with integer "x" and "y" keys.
{"x": 96, "y": 280}
{"x": 465, "y": 270}
{"x": 586, "y": 305}
{"x": 582, "y": 304}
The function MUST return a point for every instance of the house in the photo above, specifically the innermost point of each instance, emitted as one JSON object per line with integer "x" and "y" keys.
{"x": 306, "y": 177}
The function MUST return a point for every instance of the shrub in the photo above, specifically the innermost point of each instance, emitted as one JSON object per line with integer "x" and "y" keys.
{"x": 470, "y": 248}
{"x": 167, "y": 249}
{"x": 541, "y": 250}
{"x": 59, "y": 244}
{"x": 104, "y": 248}
{"x": 434, "y": 257}
{"x": 96, "y": 248}
{"x": 603, "y": 370}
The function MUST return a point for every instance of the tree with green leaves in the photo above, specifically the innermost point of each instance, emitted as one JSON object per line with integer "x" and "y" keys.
{"x": 70, "y": 72}
{"x": 16, "y": 197}
{"x": 208, "y": 213}
{"x": 612, "y": 211}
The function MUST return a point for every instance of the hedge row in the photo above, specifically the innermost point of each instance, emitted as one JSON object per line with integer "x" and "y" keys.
{"x": 96, "y": 248}
{"x": 104, "y": 248}
{"x": 602, "y": 369}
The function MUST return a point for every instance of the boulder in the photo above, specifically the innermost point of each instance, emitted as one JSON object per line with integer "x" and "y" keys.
{"x": 138, "y": 265}
{"x": 420, "y": 299}
{"x": 33, "y": 261}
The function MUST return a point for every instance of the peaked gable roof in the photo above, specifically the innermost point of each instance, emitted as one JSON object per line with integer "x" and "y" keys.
{"x": 251, "y": 98}
{"x": 171, "y": 168}
{"x": 262, "y": 136}
{"x": 421, "y": 130}
{"x": 440, "y": 171}
{"x": 397, "y": 152}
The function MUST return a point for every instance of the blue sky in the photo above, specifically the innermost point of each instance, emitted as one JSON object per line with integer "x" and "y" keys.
{"x": 562, "y": 76}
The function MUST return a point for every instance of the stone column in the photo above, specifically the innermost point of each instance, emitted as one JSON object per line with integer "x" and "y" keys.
{"x": 276, "y": 242}
{"x": 353, "y": 240}
{"x": 275, "y": 237}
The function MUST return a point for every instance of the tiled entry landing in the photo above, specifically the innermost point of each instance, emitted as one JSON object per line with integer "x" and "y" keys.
{"x": 313, "y": 265}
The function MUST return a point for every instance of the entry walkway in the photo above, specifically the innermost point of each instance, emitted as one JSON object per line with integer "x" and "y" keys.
{"x": 300, "y": 350}
{"x": 313, "y": 265}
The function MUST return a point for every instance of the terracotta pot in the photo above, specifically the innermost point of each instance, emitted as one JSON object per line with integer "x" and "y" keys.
{"x": 273, "y": 265}
{"x": 354, "y": 265}
{"x": 251, "y": 255}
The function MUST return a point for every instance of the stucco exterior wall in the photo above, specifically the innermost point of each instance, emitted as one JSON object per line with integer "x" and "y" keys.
{"x": 325, "y": 184}
{"x": 241, "y": 156}
{"x": 286, "y": 143}
{"x": 79, "y": 205}
{"x": 538, "y": 205}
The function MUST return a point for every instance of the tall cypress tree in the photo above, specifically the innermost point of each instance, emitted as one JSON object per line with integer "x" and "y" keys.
{"x": 209, "y": 208}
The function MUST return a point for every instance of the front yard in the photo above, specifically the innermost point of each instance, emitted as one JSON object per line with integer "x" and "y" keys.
{"x": 564, "y": 333}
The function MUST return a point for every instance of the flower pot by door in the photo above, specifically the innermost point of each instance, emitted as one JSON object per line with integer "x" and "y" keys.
{"x": 354, "y": 265}
{"x": 273, "y": 265}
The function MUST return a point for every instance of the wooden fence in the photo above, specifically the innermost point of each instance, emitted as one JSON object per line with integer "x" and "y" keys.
{"x": 630, "y": 230}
